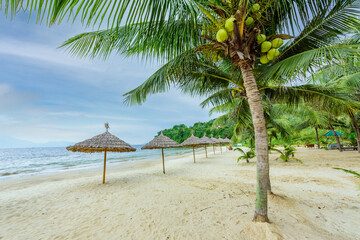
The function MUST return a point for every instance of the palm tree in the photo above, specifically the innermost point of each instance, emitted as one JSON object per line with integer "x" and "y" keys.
{"x": 167, "y": 29}
{"x": 311, "y": 117}
{"x": 343, "y": 74}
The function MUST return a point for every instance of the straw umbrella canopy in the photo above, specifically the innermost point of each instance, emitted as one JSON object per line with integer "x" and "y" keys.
{"x": 192, "y": 141}
{"x": 105, "y": 142}
{"x": 205, "y": 140}
{"x": 161, "y": 142}
{"x": 214, "y": 142}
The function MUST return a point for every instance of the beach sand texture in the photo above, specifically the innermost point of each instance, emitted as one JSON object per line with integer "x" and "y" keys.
{"x": 212, "y": 199}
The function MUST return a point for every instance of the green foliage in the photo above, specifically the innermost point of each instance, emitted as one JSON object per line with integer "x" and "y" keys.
{"x": 246, "y": 155}
{"x": 181, "y": 132}
{"x": 287, "y": 154}
{"x": 349, "y": 171}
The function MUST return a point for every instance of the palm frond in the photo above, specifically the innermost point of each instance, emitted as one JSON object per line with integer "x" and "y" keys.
{"x": 307, "y": 61}
{"x": 175, "y": 38}
{"x": 331, "y": 21}
{"x": 98, "y": 12}
{"x": 331, "y": 99}
{"x": 349, "y": 171}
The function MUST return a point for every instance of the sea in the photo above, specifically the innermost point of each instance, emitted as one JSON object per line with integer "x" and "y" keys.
{"x": 23, "y": 162}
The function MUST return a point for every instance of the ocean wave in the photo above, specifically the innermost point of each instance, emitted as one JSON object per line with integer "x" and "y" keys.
{"x": 17, "y": 172}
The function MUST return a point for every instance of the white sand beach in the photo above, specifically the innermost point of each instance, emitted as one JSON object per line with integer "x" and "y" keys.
{"x": 212, "y": 199}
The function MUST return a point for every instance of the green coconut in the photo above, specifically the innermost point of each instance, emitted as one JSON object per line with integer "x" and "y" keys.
{"x": 265, "y": 46}
{"x": 271, "y": 54}
{"x": 229, "y": 24}
{"x": 261, "y": 38}
{"x": 249, "y": 21}
{"x": 277, "y": 42}
{"x": 264, "y": 59}
{"x": 222, "y": 35}
{"x": 256, "y": 7}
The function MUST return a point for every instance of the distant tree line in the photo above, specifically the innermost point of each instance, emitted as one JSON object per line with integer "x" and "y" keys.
{"x": 181, "y": 132}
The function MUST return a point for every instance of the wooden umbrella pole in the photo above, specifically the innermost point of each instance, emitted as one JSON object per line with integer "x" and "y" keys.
{"x": 162, "y": 151}
{"x": 205, "y": 151}
{"x": 194, "y": 152}
{"x": 214, "y": 148}
{"x": 221, "y": 148}
{"x": 104, "y": 167}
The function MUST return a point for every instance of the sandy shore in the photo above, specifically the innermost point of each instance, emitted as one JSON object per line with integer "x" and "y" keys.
{"x": 212, "y": 199}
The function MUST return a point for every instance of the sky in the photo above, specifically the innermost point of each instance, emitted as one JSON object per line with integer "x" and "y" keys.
{"x": 50, "y": 98}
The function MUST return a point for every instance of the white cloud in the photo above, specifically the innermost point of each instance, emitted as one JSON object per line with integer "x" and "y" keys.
{"x": 41, "y": 54}
{"x": 93, "y": 116}
{"x": 43, "y": 132}
{"x": 12, "y": 98}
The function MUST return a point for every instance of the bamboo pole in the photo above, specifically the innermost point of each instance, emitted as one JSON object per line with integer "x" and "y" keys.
{"x": 162, "y": 151}
{"x": 194, "y": 152}
{"x": 205, "y": 151}
{"x": 104, "y": 167}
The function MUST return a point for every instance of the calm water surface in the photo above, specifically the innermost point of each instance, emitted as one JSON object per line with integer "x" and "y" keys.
{"x": 19, "y": 162}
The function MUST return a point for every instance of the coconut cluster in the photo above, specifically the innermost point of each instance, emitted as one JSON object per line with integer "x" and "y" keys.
{"x": 223, "y": 34}
{"x": 269, "y": 49}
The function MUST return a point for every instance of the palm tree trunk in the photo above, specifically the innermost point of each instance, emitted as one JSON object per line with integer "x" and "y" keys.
{"x": 356, "y": 126}
{"x": 317, "y": 137}
{"x": 261, "y": 142}
{"x": 336, "y": 137}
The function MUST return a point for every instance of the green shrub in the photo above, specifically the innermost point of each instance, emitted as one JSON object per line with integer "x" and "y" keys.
{"x": 287, "y": 154}
{"x": 246, "y": 155}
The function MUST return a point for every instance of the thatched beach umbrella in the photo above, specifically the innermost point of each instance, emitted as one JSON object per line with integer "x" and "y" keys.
{"x": 105, "y": 142}
{"x": 205, "y": 140}
{"x": 214, "y": 142}
{"x": 226, "y": 140}
{"x": 192, "y": 141}
{"x": 161, "y": 142}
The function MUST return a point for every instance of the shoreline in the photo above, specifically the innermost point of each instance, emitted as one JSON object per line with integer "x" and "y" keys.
{"x": 66, "y": 174}
{"x": 90, "y": 166}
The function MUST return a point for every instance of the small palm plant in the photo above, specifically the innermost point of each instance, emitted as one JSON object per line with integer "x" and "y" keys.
{"x": 287, "y": 154}
{"x": 246, "y": 155}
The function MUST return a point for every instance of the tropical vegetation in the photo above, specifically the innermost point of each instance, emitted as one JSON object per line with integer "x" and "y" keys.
{"x": 246, "y": 155}
{"x": 252, "y": 55}
{"x": 287, "y": 154}
{"x": 181, "y": 132}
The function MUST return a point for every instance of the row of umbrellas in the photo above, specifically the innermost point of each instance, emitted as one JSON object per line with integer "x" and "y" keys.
{"x": 107, "y": 142}
{"x": 162, "y": 141}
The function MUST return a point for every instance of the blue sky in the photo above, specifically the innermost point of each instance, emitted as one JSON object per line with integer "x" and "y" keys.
{"x": 49, "y": 98}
